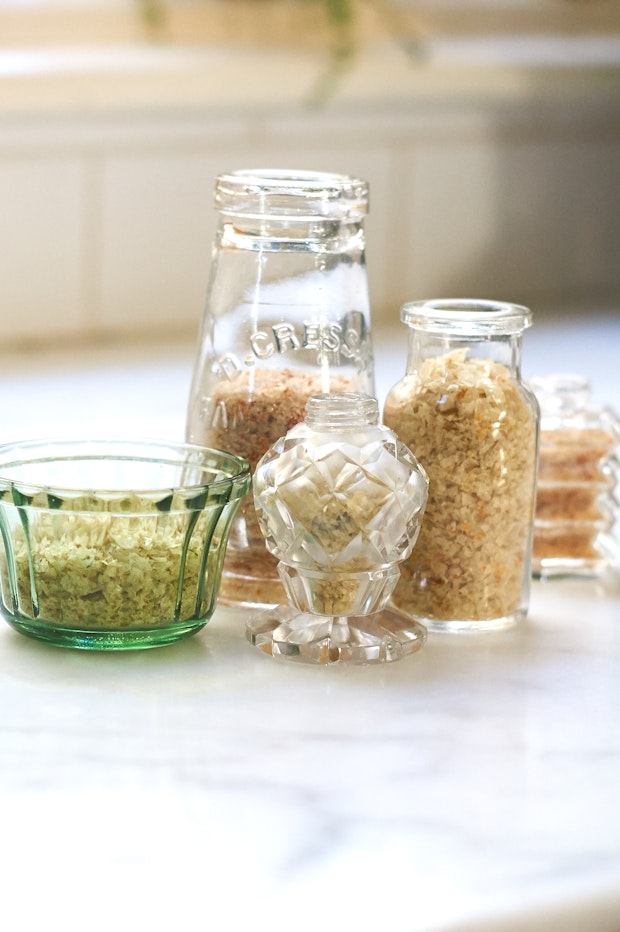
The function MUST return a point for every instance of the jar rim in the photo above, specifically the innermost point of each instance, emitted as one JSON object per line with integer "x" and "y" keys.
{"x": 292, "y": 193}
{"x": 39, "y": 469}
{"x": 466, "y": 316}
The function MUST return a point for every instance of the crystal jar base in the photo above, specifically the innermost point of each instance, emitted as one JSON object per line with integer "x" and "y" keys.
{"x": 382, "y": 637}
{"x": 338, "y": 594}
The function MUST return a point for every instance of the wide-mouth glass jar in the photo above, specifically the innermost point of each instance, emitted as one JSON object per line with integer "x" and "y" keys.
{"x": 287, "y": 316}
{"x": 465, "y": 413}
{"x": 114, "y": 544}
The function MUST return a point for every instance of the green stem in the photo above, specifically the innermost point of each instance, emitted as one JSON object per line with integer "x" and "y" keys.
{"x": 153, "y": 14}
{"x": 341, "y": 17}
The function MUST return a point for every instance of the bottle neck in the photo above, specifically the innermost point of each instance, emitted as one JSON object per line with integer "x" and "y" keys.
{"x": 468, "y": 328}
{"x": 277, "y": 234}
{"x": 347, "y": 410}
{"x": 504, "y": 349}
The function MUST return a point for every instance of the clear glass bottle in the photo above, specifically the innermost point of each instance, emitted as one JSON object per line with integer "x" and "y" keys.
{"x": 339, "y": 500}
{"x": 287, "y": 316}
{"x": 465, "y": 413}
{"x": 577, "y": 507}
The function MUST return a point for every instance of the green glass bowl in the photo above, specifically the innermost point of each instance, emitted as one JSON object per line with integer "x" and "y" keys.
{"x": 114, "y": 544}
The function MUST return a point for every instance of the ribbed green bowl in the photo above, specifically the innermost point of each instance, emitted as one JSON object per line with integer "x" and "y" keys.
{"x": 114, "y": 544}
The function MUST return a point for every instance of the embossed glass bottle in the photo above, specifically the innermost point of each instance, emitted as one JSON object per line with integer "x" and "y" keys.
{"x": 287, "y": 316}
{"x": 339, "y": 500}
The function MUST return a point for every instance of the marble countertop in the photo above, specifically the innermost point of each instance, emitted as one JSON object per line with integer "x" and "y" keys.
{"x": 472, "y": 787}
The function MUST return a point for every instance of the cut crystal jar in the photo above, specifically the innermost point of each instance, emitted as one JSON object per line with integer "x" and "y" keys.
{"x": 287, "y": 316}
{"x": 339, "y": 500}
{"x": 575, "y": 529}
{"x": 464, "y": 411}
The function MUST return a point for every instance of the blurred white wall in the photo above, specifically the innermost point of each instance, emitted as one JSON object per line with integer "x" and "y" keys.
{"x": 493, "y": 171}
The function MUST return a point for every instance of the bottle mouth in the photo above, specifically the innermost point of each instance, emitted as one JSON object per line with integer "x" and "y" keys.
{"x": 292, "y": 194}
{"x": 341, "y": 410}
{"x": 466, "y": 316}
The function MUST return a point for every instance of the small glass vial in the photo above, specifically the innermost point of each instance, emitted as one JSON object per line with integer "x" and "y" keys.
{"x": 576, "y": 501}
{"x": 339, "y": 500}
{"x": 287, "y": 316}
{"x": 474, "y": 427}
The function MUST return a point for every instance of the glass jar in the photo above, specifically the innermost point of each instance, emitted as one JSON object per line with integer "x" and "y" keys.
{"x": 287, "y": 316}
{"x": 576, "y": 501}
{"x": 339, "y": 500}
{"x": 465, "y": 413}
{"x": 113, "y": 544}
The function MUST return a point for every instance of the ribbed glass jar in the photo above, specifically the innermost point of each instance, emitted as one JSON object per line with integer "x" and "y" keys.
{"x": 113, "y": 544}
{"x": 464, "y": 411}
{"x": 577, "y": 507}
{"x": 287, "y": 316}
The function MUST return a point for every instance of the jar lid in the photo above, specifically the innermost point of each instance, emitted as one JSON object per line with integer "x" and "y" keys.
{"x": 298, "y": 195}
{"x": 466, "y": 316}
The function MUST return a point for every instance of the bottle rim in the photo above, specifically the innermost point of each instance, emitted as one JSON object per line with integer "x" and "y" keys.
{"x": 291, "y": 193}
{"x": 466, "y": 316}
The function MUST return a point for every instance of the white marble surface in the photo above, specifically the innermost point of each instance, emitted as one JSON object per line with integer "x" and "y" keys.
{"x": 472, "y": 787}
